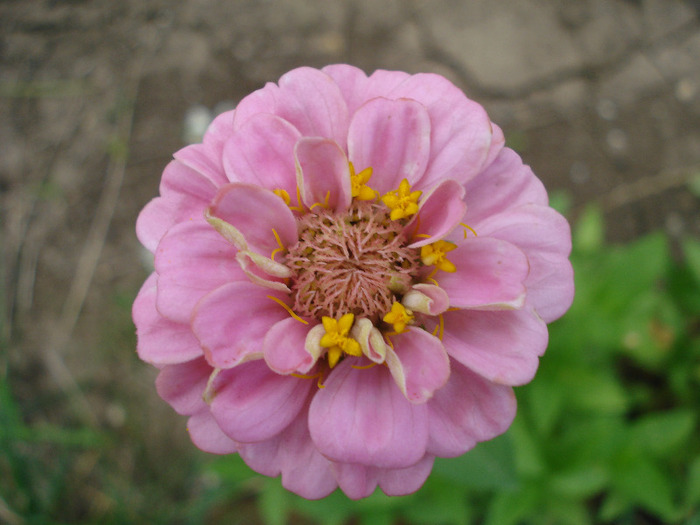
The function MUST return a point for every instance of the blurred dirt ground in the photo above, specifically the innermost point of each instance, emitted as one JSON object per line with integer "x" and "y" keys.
{"x": 601, "y": 97}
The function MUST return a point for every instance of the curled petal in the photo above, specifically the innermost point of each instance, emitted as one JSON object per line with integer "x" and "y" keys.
{"x": 504, "y": 347}
{"x": 261, "y": 152}
{"x": 440, "y": 211}
{"x": 362, "y": 417}
{"x": 263, "y": 270}
{"x": 370, "y": 339}
{"x": 426, "y": 299}
{"x": 312, "y": 345}
{"x": 207, "y": 436}
{"x": 161, "y": 341}
{"x": 393, "y": 138}
{"x": 284, "y": 347}
{"x": 418, "y": 363}
{"x": 484, "y": 411}
{"x": 252, "y": 218}
{"x": 489, "y": 274}
{"x": 252, "y": 403}
{"x": 323, "y": 173}
{"x": 232, "y": 321}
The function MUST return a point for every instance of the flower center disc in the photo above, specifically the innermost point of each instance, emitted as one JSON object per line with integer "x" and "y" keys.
{"x": 353, "y": 262}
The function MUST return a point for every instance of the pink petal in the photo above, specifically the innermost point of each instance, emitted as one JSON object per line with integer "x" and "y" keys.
{"x": 255, "y": 212}
{"x": 400, "y": 482}
{"x": 205, "y": 159}
{"x": 461, "y": 130}
{"x": 362, "y": 417}
{"x": 490, "y": 275}
{"x": 498, "y": 141}
{"x": 307, "y": 98}
{"x": 507, "y": 183}
{"x": 232, "y": 321}
{"x": 483, "y": 411}
{"x": 192, "y": 260}
{"x": 159, "y": 340}
{"x": 261, "y": 152}
{"x": 440, "y": 211}
{"x": 357, "y": 88}
{"x": 207, "y": 436}
{"x": 263, "y": 456}
{"x": 252, "y": 403}
{"x": 426, "y": 299}
{"x": 545, "y": 237}
{"x": 323, "y": 173}
{"x": 418, "y": 363}
{"x": 502, "y": 346}
{"x": 393, "y": 138}
{"x": 218, "y": 132}
{"x": 356, "y": 481}
{"x": 154, "y": 220}
{"x": 285, "y": 347}
{"x": 185, "y": 194}
{"x": 304, "y": 470}
{"x": 182, "y": 385}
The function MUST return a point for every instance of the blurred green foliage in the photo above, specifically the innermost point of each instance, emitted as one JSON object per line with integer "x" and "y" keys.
{"x": 606, "y": 433}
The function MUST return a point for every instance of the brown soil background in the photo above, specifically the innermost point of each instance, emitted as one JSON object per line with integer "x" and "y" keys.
{"x": 600, "y": 97}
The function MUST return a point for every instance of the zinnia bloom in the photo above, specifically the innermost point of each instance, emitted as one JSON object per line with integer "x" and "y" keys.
{"x": 351, "y": 274}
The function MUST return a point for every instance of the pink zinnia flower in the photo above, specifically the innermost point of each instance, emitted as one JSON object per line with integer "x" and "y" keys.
{"x": 351, "y": 273}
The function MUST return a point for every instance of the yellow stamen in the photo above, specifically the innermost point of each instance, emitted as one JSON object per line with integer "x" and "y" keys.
{"x": 440, "y": 327}
{"x": 283, "y": 194}
{"x": 467, "y": 227}
{"x": 325, "y": 202}
{"x": 304, "y": 376}
{"x": 371, "y": 365}
{"x": 402, "y": 202}
{"x": 279, "y": 242}
{"x": 399, "y": 317}
{"x": 300, "y": 206}
{"x": 358, "y": 183}
{"x": 423, "y": 235}
{"x": 289, "y": 310}
{"x": 434, "y": 255}
{"x": 336, "y": 338}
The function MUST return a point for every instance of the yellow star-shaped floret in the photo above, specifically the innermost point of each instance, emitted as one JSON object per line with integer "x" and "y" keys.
{"x": 399, "y": 317}
{"x": 402, "y": 202}
{"x": 359, "y": 187}
{"x": 434, "y": 255}
{"x": 336, "y": 338}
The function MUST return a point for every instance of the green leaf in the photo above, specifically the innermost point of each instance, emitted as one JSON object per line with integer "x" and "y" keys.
{"x": 642, "y": 482}
{"x": 589, "y": 232}
{"x": 545, "y": 403}
{"x": 692, "y": 488}
{"x": 528, "y": 458}
{"x": 508, "y": 508}
{"x": 439, "y": 502}
{"x": 274, "y": 503}
{"x": 593, "y": 390}
{"x": 662, "y": 433}
{"x": 691, "y": 250}
{"x": 489, "y": 465}
{"x": 582, "y": 482}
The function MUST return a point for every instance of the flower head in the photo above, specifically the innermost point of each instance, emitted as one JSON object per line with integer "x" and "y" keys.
{"x": 351, "y": 274}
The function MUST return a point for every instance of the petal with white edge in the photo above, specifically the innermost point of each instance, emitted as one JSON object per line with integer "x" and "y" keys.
{"x": 419, "y": 364}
